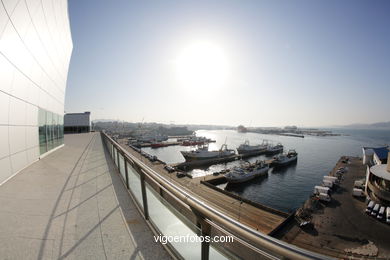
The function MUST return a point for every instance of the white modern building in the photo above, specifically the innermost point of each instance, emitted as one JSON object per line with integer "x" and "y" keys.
{"x": 378, "y": 181}
{"x": 77, "y": 122}
{"x": 35, "y": 50}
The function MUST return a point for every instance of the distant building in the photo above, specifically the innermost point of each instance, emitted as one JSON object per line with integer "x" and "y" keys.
{"x": 242, "y": 129}
{"x": 77, "y": 123}
{"x": 378, "y": 180}
{"x": 291, "y": 128}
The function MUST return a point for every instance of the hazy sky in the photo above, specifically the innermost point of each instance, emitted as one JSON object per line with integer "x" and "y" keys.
{"x": 257, "y": 63}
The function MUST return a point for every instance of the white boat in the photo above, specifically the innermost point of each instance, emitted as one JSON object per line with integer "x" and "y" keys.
{"x": 274, "y": 149}
{"x": 285, "y": 159}
{"x": 246, "y": 148}
{"x": 243, "y": 174}
{"x": 202, "y": 153}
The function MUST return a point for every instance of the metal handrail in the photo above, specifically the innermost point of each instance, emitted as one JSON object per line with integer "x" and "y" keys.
{"x": 257, "y": 238}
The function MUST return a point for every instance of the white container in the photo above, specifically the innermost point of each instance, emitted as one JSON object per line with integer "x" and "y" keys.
{"x": 324, "y": 197}
{"x": 358, "y": 192}
{"x": 331, "y": 178}
{"x": 321, "y": 189}
{"x": 327, "y": 183}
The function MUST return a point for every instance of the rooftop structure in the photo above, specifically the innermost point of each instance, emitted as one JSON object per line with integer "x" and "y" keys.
{"x": 378, "y": 182}
{"x": 375, "y": 155}
{"x": 77, "y": 122}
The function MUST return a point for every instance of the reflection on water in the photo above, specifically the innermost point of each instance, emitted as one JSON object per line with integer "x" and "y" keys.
{"x": 286, "y": 188}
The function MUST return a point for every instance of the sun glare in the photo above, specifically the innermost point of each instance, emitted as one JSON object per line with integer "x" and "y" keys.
{"x": 202, "y": 65}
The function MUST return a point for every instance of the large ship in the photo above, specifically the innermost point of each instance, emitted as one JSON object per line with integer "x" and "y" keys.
{"x": 202, "y": 153}
{"x": 285, "y": 159}
{"x": 243, "y": 174}
{"x": 246, "y": 148}
{"x": 275, "y": 149}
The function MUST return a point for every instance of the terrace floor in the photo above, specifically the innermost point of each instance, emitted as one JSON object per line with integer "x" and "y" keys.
{"x": 72, "y": 204}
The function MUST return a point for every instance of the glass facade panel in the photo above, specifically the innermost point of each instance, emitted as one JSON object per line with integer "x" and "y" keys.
{"x": 42, "y": 131}
{"x": 55, "y": 130}
{"x": 170, "y": 225}
{"x": 61, "y": 129}
{"x": 135, "y": 184}
{"x": 51, "y": 130}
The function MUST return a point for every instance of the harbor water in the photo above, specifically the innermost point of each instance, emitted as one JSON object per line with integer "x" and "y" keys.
{"x": 287, "y": 188}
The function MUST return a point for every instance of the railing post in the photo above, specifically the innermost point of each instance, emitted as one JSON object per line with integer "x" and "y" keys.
{"x": 205, "y": 231}
{"x": 126, "y": 172}
{"x": 143, "y": 191}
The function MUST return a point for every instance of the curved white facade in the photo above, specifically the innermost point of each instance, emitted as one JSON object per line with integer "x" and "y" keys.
{"x": 35, "y": 50}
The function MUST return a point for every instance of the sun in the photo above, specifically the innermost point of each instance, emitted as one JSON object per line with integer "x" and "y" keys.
{"x": 202, "y": 65}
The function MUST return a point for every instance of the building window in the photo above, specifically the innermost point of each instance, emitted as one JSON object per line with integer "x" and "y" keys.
{"x": 51, "y": 130}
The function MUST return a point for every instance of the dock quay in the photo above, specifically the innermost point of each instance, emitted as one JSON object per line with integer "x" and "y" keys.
{"x": 340, "y": 226}
{"x": 144, "y": 145}
{"x": 263, "y": 219}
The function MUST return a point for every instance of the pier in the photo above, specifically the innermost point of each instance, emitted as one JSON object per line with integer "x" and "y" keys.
{"x": 260, "y": 218}
{"x": 341, "y": 225}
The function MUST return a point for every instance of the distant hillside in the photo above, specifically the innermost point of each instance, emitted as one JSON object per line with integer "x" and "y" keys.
{"x": 379, "y": 125}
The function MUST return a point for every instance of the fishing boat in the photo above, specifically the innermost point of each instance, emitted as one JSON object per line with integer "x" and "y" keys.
{"x": 274, "y": 149}
{"x": 195, "y": 140}
{"x": 202, "y": 153}
{"x": 243, "y": 174}
{"x": 246, "y": 148}
{"x": 158, "y": 145}
{"x": 285, "y": 159}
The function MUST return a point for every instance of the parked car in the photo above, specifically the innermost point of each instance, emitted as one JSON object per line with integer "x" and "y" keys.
{"x": 370, "y": 206}
{"x": 381, "y": 213}
{"x": 358, "y": 192}
{"x": 342, "y": 170}
{"x": 375, "y": 210}
{"x": 388, "y": 215}
{"x": 169, "y": 168}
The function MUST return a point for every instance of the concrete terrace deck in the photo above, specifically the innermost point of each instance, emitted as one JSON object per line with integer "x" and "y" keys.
{"x": 72, "y": 204}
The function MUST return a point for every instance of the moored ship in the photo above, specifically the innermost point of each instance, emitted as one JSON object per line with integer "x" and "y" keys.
{"x": 278, "y": 148}
{"x": 202, "y": 153}
{"x": 246, "y": 148}
{"x": 285, "y": 159}
{"x": 244, "y": 174}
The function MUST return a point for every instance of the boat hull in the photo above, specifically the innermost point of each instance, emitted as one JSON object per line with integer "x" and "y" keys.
{"x": 272, "y": 152}
{"x": 277, "y": 164}
{"x": 248, "y": 176}
{"x": 195, "y": 157}
{"x": 254, "y": 151}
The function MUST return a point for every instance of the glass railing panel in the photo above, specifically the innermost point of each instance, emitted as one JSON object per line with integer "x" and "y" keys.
{"x": 115, "y": 156}
{"x": 237, "y": 248}
{"x": 216, "y": 255}
{"x": 122, "y": 166}
{"x": 135, "y": 184}
{"x": 170, "y": 225}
